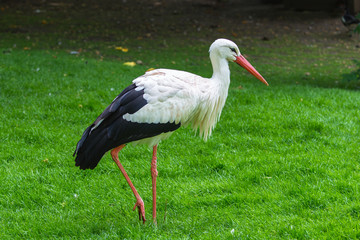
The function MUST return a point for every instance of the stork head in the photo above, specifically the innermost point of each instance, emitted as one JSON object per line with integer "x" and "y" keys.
{"x": 228, "y": 50}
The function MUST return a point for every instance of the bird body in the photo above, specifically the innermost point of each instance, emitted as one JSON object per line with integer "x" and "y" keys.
{"x": 350, "y": 21}
{"x": 180, "y": 97}
{"x": 155, "y": 105}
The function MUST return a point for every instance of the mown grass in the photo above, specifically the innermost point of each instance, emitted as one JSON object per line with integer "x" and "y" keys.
{"x": 283, "y": 162}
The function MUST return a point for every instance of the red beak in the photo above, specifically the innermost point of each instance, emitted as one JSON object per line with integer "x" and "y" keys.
{"x": 245, "y": 64}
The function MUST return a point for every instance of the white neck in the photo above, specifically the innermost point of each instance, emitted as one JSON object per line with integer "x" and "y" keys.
{"x": 209, "y": 113}
{"x": 221, "y": 71}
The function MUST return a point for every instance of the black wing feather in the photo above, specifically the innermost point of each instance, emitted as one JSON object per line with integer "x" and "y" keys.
{"x": 110, "y": 129}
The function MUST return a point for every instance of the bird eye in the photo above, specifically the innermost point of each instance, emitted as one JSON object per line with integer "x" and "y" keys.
{"x": 233, "y": 50}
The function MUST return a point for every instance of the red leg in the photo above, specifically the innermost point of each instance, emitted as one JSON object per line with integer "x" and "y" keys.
{"x": 139, "y": 202}
{"x": 154, "y": 174}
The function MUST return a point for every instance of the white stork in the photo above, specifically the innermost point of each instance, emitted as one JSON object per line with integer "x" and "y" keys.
{"x": 154, "y": 106}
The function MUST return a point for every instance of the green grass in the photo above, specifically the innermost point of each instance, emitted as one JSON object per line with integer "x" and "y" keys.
{"x": 282, "y": 163}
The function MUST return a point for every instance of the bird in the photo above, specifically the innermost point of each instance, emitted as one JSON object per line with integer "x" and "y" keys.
{"x": 156, "y": 104}
{"x": 349, "y": 20}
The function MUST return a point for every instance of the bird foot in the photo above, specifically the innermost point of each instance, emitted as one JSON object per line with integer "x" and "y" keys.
{"x": 141, "y": 208}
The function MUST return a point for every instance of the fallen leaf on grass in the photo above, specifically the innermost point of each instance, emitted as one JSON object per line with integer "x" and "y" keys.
{"x": 122, "y": 49}
{"x": 130, "y": 64}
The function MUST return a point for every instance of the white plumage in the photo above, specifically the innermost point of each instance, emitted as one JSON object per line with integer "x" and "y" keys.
{"x": 180, "y": 97}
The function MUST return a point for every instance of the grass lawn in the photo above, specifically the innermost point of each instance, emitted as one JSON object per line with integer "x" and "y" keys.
{"x": 282, "y": 163}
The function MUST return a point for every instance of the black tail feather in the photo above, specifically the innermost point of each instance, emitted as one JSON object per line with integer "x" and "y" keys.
{"x": 91, "y": 148}
{"x": 95, "y": 141}
{"x": 110, "y": 129}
